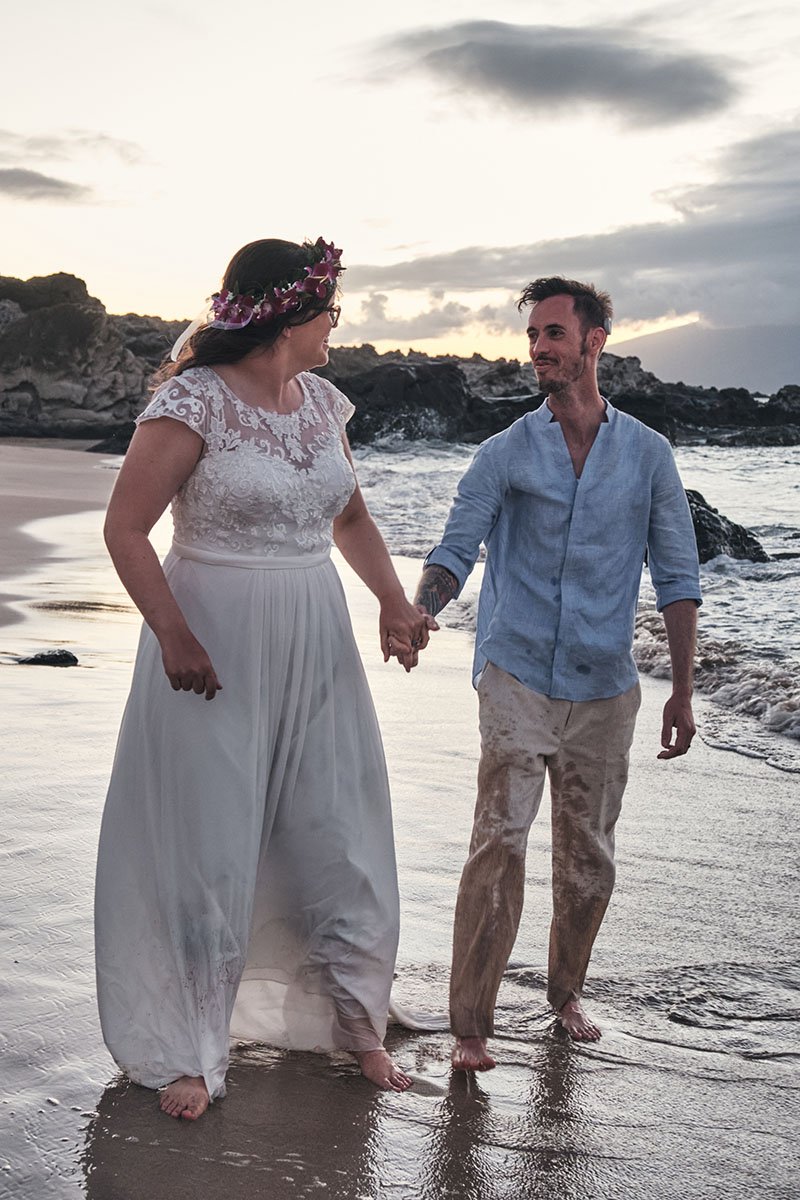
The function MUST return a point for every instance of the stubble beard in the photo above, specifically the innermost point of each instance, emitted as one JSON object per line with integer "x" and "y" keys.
{"x": 571, "y": 372}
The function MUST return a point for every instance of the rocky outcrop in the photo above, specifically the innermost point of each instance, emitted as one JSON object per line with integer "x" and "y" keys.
{"x": 487, "y": 397}
{"x": 717, "y": 535}
{"x": 498, "y": 392}
{"x": 411, "y": 399}
{"x": 46, "y": 291}
{"x": 758, "y": 435}
{"x": 784, "y": 405}
{"x": 66, "y": 367}
{"x": 148, "y": 338}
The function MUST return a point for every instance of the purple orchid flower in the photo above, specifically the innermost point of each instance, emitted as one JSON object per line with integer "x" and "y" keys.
{"x": 230, "y": 311}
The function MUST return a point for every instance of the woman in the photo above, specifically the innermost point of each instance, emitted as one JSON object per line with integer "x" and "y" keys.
{"x": 246, "y": 882}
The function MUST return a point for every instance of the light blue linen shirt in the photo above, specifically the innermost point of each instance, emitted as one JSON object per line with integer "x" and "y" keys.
{"x": 564, "y": 555}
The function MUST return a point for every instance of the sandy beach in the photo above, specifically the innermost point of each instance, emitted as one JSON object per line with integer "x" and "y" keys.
{"x": 692, "y": 1092}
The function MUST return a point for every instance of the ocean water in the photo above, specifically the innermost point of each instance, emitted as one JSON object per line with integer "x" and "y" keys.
{"x": 693, "y": 1090}
{"x": 749, "y": 631}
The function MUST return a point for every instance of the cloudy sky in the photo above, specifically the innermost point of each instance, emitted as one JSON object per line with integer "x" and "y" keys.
{"x": 655, "y": 151}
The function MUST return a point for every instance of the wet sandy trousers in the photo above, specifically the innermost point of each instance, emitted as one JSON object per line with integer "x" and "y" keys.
{"x": 584, "y": 747}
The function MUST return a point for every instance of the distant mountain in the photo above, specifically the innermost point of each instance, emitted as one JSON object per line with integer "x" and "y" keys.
{"x": 762, "y": 358}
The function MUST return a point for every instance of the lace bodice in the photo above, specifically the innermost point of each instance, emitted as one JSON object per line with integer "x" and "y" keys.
{"x": 267, "y": 483}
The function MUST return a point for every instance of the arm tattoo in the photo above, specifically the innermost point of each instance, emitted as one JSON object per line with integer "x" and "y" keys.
{"x": 436, "y": 588}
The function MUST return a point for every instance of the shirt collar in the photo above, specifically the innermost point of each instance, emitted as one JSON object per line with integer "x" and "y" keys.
{"x": 543, "y": 415}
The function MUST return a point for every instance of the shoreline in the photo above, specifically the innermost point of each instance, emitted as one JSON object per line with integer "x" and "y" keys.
{"x": 44, "y": 481}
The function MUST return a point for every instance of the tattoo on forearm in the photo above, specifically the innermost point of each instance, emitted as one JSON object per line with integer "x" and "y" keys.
{"x": 436, "y": 588}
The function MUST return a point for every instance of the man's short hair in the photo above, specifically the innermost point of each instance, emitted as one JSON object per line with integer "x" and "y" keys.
{"x": 592, "y": 307}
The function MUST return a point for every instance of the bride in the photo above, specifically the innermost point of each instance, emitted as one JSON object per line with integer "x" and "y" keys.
{"x": 246, "y": 882}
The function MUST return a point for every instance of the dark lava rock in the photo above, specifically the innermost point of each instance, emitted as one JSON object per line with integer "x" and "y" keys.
{"x": 761, "y": 435}
{"x": 45, "y": 291}
{"x": 345, "y": 361}
{"x": 733, "y": 406}
{"x": 69, "y": 368}
{"x": 65, "y": 372}
{"x": 118, "y": 442}
{"x": 717, "y": 535}
{"x": 50, "y": 658}
{"x": 149, "y": 338}
{"x": 651, "y": 410}
{"x": 784, "y": 406}
{"x": 487, "y": 415}
{"x": 413, "y": 400}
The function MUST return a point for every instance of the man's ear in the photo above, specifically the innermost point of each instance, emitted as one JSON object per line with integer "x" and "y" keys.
{"x": 597, "y": 339}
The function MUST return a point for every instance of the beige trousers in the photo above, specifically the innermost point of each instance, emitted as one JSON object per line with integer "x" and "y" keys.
{"x": 584, "y": 746}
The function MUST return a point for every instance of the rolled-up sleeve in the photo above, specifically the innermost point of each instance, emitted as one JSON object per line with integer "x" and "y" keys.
{"x": 472, "y": 517}
{"x": 671, "y": 542}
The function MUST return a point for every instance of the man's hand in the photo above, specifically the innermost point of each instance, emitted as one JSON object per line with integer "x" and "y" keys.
{"x": 410, "y": 659}
{"x": 404, "y": 629}
{"x": 680, "y": 619}
{"x": 677, "y": 716}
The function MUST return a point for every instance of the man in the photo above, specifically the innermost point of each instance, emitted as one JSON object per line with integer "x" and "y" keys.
{"x": 567, "y": 501}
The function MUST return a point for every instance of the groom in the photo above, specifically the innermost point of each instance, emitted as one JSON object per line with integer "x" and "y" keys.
{"x": 568, "y": 501}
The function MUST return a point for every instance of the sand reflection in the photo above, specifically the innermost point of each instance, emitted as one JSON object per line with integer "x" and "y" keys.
{"x": 291, "y": 1125}
{"x": 527, "y": 1137}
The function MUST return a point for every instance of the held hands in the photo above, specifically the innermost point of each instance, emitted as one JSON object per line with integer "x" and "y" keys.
{"x": 187, "y": 665}
{"x": 404, "y": 629}
{"x": 677, "y": 716}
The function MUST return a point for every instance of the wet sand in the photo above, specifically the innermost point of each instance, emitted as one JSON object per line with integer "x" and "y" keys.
{"x": 37, "y": 482}
{"x": 693, "y": 1090}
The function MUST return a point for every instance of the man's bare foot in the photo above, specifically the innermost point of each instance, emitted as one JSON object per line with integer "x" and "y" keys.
{"x": 575, "y": 1021}
{"x": 380, "y": 1069}
{"x": 186, "y": 1097}
{"x": 470, "y": 1054}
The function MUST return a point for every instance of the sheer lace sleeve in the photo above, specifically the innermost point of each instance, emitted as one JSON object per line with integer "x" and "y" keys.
{"x": 337, "y": 402}
{"x": 181, "y": 399}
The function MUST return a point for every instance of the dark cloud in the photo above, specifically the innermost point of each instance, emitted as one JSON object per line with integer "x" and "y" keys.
{"x": 732, "y": 249}
{"x": 642, "y": 80}
{"x": 65, "y": 145}
{"x": 22, "y": 184}
{"x": 25, "y": 184}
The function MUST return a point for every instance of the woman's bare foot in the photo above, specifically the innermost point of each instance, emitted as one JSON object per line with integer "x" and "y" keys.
{"x": 470, "y": 1054}
{"x": 186, "y": 1097}
{"x": 575, "y": 1021}
{"x": 380, "y": 1069}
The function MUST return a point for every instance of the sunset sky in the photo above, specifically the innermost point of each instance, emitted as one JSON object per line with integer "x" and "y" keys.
{"x": 655, "y": 151}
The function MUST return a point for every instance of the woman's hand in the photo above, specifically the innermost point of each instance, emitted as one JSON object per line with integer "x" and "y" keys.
{"x": 187, "y": 665}
{"x": 404, "y": 629}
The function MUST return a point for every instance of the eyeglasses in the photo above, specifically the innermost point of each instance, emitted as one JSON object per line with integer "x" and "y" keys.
{"x": 334, "y": 312}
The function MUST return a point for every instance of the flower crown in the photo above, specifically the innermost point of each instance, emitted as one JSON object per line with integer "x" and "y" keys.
{"x": 235, "y": 311}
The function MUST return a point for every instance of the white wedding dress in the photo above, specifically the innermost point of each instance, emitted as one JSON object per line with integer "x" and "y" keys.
{"x": 246, "y": 881}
